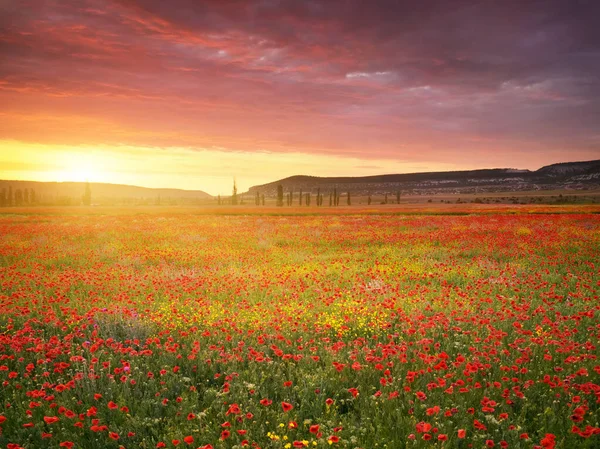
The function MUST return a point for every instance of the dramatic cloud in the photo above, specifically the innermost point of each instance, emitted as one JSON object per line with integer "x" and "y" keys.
{"x": 473, "y": 83}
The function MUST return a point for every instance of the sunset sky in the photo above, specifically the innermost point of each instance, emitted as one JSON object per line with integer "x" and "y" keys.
{"x": 191, "y": 93}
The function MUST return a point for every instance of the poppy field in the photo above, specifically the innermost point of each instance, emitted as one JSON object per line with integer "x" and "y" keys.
{"x": 264, "y": 331}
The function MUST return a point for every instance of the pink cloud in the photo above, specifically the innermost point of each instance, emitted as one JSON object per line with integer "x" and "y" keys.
{"x": 378, "y": 79}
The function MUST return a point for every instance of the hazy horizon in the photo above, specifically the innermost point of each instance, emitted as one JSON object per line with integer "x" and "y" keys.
{"x": 190, "y": 95}
{"x": 168, "y": 187}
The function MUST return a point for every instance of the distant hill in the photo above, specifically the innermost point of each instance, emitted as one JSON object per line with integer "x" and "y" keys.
{"x": 570, "y": 168}
{"x": 568, "y": 175}
{"x": 104, "y": 193}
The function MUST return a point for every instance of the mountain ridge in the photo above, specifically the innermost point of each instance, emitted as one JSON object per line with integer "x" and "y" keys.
{"x": 578, "y": 175}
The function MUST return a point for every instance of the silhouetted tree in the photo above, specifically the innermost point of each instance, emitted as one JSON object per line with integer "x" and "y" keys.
{"x": 257, "y": 199}
{"x": 307, "y": 201}
{"x": 263, "y": 199}
{"x": 32, "y": 197}
{"x": 3, "y": 197}
{"x": 280, "y": 195}
{"x": 369, "y": 199}
{"x": 219, "y": 199}
{"x": 385, "y": 201}
{"x": 18, "y": 197}
{"x": 9, "y": 200}
{"x": 319, "y": 199}
{"x": 398, "y": 197}
{"x": 330, "y": 199}
{"x": 335, "y": 200}
{"x": 348, "y": 199}
{"x": 300, "y": 198}
{"x": 234, "y": 198}
{"x": 86, "y": 199}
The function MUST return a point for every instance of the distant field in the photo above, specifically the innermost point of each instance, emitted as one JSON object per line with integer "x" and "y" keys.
{"x": 390, "y": 326}
{"x": 405, "y": 208}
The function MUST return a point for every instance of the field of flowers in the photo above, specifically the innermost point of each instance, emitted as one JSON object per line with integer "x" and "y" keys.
{"x": 351, "y": 331}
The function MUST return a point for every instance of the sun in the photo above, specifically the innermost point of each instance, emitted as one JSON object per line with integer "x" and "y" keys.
{"x": 81, "y": 167}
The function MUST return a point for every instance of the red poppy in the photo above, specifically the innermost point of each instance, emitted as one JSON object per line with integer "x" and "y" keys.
{"x": 286, "y": 406}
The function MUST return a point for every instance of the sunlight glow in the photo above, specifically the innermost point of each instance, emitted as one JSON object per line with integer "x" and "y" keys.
{"x": 210, "y": 170}
{"x": 81, "y": 167}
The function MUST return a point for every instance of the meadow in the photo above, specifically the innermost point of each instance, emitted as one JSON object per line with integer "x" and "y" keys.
{"x": 462, "y": 327}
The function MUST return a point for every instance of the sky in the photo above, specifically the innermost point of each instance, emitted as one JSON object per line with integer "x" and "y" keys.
{"x": 194, "y": 93}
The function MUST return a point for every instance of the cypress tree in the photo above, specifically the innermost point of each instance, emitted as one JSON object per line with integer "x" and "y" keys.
{"x": 18, "y": 197}
{"x": 9, "y": 200}
{"x": 280, "y": 195}
{"x": 234, "y": 198}
{"x": 348, "y": 199}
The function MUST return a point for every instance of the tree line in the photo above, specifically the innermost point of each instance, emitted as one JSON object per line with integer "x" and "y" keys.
{"x": 28, "y": 196}
{"x": 300, "y": 198}
{"x": 20, "y": 197}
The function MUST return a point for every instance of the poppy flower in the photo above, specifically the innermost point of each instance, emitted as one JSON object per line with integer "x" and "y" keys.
{"x": 286, "y": 406}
